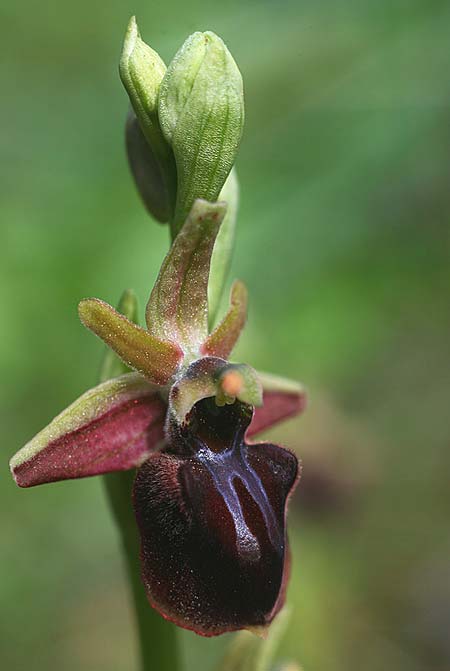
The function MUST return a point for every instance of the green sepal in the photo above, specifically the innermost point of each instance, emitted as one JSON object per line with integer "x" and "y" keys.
{"x": 79, "y": 442}
{"x": 201, "y": 113}
{"x": 178, "y": 306}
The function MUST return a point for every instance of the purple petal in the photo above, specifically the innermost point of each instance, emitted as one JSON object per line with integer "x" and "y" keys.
{"x": 211, "y": 513}
{"x": 281, "y": 399}
{"x": 112, "y": 427}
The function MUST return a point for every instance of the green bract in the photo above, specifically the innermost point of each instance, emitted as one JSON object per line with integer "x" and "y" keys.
{"x": 201, "y": 113}
{"x": 224, "y": 246}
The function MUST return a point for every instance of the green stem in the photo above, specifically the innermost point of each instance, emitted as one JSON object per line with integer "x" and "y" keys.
{"x": 157, "y": 637}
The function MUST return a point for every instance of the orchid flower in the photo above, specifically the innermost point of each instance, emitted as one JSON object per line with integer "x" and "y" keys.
{"x": 210, "y": 504}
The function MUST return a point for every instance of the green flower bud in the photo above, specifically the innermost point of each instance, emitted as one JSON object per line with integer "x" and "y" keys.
{"x": 146, "y": 171}
{"x": 201, "y": 113}
{"x": 142, "y": 71}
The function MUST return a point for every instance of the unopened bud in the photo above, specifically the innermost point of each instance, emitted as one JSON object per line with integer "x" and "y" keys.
{"x": 201, "y": 112}
{"x": 146, "y": 171}
{"x": 151, "y": 159}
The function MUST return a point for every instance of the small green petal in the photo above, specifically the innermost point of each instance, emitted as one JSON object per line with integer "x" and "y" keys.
{"x": 112, "y": 365}
{"x": 156, "y": 359}
{"x": 224, "y": 337}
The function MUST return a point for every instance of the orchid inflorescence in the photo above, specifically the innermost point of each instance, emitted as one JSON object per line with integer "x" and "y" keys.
{"x": 210, "y": 505}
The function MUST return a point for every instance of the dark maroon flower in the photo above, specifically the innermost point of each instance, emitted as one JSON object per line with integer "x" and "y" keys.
{"x": 211, "y": 512}
{"x": 210, "y": 506}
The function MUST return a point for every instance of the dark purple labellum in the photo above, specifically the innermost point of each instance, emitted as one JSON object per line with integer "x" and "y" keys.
{"x": 211, "y": 512}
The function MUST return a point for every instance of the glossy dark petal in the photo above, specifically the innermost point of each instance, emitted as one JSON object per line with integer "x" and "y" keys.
{"x": 212, "y": 523}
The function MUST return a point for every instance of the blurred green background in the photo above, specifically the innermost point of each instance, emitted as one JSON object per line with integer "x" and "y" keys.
{"x": 344, "y": 243}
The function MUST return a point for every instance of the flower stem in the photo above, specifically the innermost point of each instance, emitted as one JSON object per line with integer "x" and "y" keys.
{"x": 157, "y": 637}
